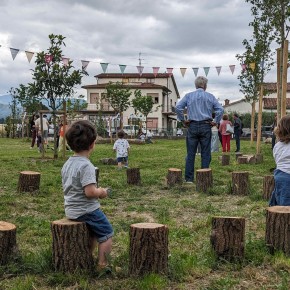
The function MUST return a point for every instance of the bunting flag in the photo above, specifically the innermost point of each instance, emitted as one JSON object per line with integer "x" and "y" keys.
{"x": 206, "y": 70}
{"x": 140, "y": 69}
{"x": 169, "y": 71}
{"x": 195, "y": 70}
{"x": 122, "y": 68}
{"x": 252, "y": 66}
{"x": 155, "y": 70}
{"x": 14, "y": 52}
{"x": 85, "y": 64}
{"x": 104, "y": 66}
{"x": 29, "y": 55}
{"x": 65, "y": 61}
{"x": 232, "y": 68}
{"x": 244, "y": 67}
{"x": 48, "y": 58}
{"x": 183, "y": 70}
{"x": 218, "y": 69}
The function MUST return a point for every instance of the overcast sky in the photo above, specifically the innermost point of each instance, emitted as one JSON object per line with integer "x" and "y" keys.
{"x": 168, "y": 33}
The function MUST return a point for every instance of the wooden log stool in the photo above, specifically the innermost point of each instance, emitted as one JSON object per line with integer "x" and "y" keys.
{"x": 133, "y": 176}
{"x": 242, "y": 160}
{"x": 204, "y": 179}
{"x": 268, "y": 186}
{"x": 228, "y": 237}
{"x": 238, "y": 154}
{"x": 28, "y": 181}
{"x": 174, "y": 176}
{"x": 71, "y": 246}
{"x": 259, "y": 158}
{"x": 225, "y": 159}
{"x": 8, "y": 246}
{"x": 109, "y": 161}
{"x": 240, "y": 182}
{"x": 277, "y": 228}
{"x": 148, "y": 251}
{"x": 251, "y": 159}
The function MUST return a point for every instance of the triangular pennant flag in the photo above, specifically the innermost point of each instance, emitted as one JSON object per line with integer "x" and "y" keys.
{"x": 244, "y": 67}
{"x": 232, "y": 68}
{"x": 206, "y": 70}
{"x": 48, "y": 58}
{"x": 155, "y": 70}
{"x": 29, "y": 55}
{"x": 169, "y": 71}
{"x": 65, "y": 61}
{"x": 140, "y": 69}
{"x": 183, "y": 70}
{"x": 122, "y": 68}
{"x": 14, "y": 52}
{"x": 252, "y": 66}
{"x": 104, "y": 66}
{"x": 195, "y": 70}
{"x": 218, "y": 69}
{"x": 85, "y": 64}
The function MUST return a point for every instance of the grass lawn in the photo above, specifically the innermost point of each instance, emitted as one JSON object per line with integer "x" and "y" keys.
{"x": 192, "y": 264}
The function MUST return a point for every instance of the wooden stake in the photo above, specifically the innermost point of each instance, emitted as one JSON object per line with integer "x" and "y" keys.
{"x": 284, "y": 78}
{"x": 259, "y": 127}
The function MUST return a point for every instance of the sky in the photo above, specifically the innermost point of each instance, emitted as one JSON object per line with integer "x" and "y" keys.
{"x": 168, "y": 33}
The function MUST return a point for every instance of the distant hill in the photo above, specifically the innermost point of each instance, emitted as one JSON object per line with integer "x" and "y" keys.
{"x": 4, "y": 111}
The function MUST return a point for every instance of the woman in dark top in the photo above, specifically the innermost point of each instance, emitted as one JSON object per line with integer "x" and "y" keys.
{"x": 33, "y": 131}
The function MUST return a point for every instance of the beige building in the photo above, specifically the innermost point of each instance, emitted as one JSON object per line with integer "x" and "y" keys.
{"x": 162, "y": 88}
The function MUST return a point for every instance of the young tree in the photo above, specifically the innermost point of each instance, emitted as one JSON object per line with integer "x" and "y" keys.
{"x": 118, "y": 95}
{"x": 15, "y": 113}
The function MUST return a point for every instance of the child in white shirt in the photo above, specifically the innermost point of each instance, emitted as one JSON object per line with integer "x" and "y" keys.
{"x": 121, "y": 147}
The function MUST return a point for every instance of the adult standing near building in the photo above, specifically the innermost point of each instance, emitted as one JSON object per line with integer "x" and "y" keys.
{"x": 45, "y": 126}
{"x": 237, "y": 131}
{"x": 200, "y": 106}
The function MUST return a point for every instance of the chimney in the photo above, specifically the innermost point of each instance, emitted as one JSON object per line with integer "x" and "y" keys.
{"x": 227, "y": 102}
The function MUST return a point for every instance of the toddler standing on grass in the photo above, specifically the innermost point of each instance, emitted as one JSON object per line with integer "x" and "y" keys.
{"x": 81, "y": 196}
{"x": 281, "y": 153}
{"x": 121, "y": 147}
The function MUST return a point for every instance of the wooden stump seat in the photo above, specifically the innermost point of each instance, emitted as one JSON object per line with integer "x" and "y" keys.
{"x": 268, "y": 186}
{"x": 133, "y": 176}
{"x": 204, "y": 179}
{"x": 242, "y": 160}
{"x": 259, "y": 158}
{"x": 228, "y": 237}
{"x": 8, "y": 245}
{"x": 225, "y": 159}
{"x": 71, "y": 246}
{"x": 28, "y": 181}
{"x": 238, "y": 154}
{"x": 251, "y": 159}
{"x": 240, "y": 182}
{"x": 109, "y": 161}
{"x": 174, "y": 176}
{"x": 148, "y": 251}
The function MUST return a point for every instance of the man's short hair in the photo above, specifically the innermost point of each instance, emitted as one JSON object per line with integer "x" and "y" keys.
{"x": 81, "y": 135}
{"x": 201, "y": 82}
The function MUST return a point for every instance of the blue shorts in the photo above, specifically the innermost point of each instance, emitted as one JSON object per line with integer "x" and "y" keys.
{"x": 98, "y": 224}
{"x": 122, "y": 159}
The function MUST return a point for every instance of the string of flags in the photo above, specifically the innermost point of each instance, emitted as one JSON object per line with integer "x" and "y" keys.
{"x": 84, "y": 63}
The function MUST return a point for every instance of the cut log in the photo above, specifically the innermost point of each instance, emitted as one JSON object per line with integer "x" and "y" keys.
{"x": 204, "y": 179}
{"x": 228, "y": 237}
{"x": 242, "y": 160}
{"x": 238, "y": 154}
{"x": 240, "y": 182}
{"x": 8, "y": 247}
{"x": 225, "y": 159}
{"x": 71, "y": 246}
{"x": 251, "y": 159}
{"x": 109, "y": 161}
{"x": 259, "y": 158}
{"x": 28, "y": 181}
{"x": 277, "y": 228}
{"x": 148, "y": 251}
{"x": 133, "y": 176}
{"x": 174, "y": 176}
{"x": 268, "y": 186}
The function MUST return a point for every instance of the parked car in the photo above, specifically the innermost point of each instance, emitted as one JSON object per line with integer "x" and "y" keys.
{"x": 266, "y": 132}
{"x": 131, "y": 130}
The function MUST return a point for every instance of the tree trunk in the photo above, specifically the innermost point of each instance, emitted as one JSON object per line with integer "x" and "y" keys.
{"x": 174, "y": 176}
{"x": 204, "y": 179}
{"x": 28, "y": 181}
{"x": 268, "y": 186}
{"x": 71, "y": 246}
{"x": 228, "y": 237}
{"x": 253, "y": 121}
{"x": 8, "y": 245}
{"x": 225, "y": 159}
{"x": 242, "y": 160}
{"x": 133, "y": 176}
{"x": 240, "y": 182}
{"x": 148, "y": 251}
{"x": 277, "y": 228}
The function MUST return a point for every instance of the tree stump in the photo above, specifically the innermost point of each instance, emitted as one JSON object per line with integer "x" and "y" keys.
{"x": 242, "y": 160}
{"x": 71, "y": 246}
{"x": 133, "y": 176}
{"x": 240, "y": 182}
{"x": 148, "y": 251}
{"x": 8, "y": 245}
{"x": 268, "y": 186}
{"x": 259, "y": 158}
{"x": 204, "y": 179}
{"x": 251, "y": 159}
{"x": 238, "y": 154}
{"x": 28, "y": 181}
{"x": 109, "y": 161}
{"x": 225, "y": 159}
{"x": 277, "y": 228}
{"x": 228, "y": 237}
{"x": 174, "y": 176}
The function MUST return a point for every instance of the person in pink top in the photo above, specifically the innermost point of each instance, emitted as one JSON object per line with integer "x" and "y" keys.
{"x": 226, "y": 137}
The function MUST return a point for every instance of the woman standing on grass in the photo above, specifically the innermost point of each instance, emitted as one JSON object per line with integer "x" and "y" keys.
{"x": 281, "y": 153}
{"x": 226, "y": 137}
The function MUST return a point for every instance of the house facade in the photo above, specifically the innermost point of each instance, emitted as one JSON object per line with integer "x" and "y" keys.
{"x": 162, "y": 88}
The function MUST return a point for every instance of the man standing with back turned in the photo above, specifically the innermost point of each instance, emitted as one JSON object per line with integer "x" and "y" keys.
{"x": 200, "y": 106}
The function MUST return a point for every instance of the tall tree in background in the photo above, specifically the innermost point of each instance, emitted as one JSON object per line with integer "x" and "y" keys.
{"x": 15, "y": 114}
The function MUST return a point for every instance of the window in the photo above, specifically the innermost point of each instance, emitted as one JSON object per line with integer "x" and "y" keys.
{"x": 151, "y": 81}
{"x": 94, "y": 97}
{"x": 155, "y": 97}
{"x": 125, "y": 80}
